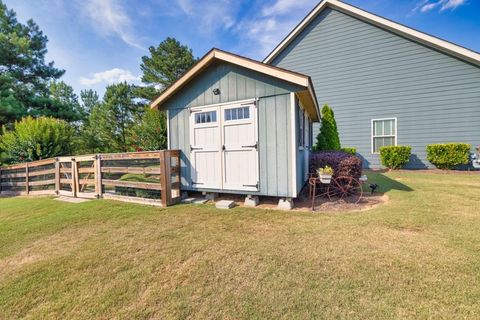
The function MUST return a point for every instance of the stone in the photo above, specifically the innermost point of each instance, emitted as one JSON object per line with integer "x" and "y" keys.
{"x": 251, "y": 201}
{"x": 200, "y": 201}
{"x": 224, "y": 204}
{"x": 285, "y": 204}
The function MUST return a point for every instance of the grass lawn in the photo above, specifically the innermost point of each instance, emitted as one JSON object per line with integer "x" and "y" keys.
{"x": 418, "y": 256}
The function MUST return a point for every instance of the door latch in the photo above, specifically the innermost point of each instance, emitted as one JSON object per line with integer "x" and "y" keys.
{"x": 252, "y": 146}
{"x": 193, "y": 148}
{"x": 252, "y": 185}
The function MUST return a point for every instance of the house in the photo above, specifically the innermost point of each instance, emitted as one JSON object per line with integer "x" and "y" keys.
{"x": 387, "y": 84}
{"x": 242, "y": 126}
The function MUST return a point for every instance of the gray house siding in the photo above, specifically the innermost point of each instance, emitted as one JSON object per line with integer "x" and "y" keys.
{"x": 364, "y": 72}
{"x": 274, "y": 121}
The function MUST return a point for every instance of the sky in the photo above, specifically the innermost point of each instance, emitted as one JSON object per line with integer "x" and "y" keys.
{"x": 100, "y": 42}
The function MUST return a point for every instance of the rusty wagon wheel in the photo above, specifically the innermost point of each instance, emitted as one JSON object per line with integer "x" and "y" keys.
{"x": 347, "y": 189}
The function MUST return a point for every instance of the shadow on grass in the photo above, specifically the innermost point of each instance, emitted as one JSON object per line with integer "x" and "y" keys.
{"x": 385, "y": 183}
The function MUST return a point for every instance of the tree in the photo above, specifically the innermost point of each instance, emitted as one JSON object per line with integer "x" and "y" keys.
{"x": 150, "y": 133}
{"x": 166, "y": 63}
{"x": 35, "y": 139}
{"x": 328, "y": 138}
{"x": 62, "y": 103}
{"x": 110, "y": 122}
{"x": 90, "y": 100}
{"x": 24, "y": 74}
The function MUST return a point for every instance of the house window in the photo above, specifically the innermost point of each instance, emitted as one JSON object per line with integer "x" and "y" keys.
{"x": 237, "y": 113}
{"x": 384, "y": 133}
{"x": 301, "y": 128}
{"x": 206, "y": 117}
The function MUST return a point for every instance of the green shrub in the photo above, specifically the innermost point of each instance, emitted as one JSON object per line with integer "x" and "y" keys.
{"x": 328, "y": 138}
{"x": 448, "y": 155}
{"x": 395, "y": 157}
{"x": 350, "y": 150}
{"x": 35, "y": 139}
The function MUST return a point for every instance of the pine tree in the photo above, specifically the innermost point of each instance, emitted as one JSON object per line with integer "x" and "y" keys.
{"x": 328, "y": 138}
{"x": 166, "y": 63}
{"x": 24, "y": 74}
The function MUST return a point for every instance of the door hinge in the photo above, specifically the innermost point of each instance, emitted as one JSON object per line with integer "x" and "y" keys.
{"x": 251, "y": 185}
{"x": 197, "y": 182}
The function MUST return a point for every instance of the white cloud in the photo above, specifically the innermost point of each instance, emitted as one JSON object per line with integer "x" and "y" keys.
{"x": 429, "y": 5}
{"x": 109, "y": 17}
{"x": 284, "y": 6}
{"x": 262, "y": 32}
{"x": 111, "y": 76}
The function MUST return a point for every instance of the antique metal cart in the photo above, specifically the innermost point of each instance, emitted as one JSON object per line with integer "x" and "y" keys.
{"x": 346, "y": 188}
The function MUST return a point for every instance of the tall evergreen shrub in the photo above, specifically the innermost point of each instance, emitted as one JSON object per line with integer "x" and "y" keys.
{"x": 328, "y": 138}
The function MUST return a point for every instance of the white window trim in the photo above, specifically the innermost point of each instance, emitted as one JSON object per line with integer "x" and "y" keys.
{"x": 371, "y": 132}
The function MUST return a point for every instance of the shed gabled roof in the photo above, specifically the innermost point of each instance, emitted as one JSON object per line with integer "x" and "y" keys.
{"x": 308, "y": 98}
{"x": 404, "y": 31}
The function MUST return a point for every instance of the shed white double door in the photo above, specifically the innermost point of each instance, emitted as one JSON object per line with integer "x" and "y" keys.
{"x": 224, "y": 147}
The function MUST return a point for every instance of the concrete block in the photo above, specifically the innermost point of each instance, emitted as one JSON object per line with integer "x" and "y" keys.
{"x": 211, "y": 196}
{"x": 251, "y": 201}
{"x": 285, "y": 204}
{"x": 200, "y": 201}
{"x": 225, "y": 204}
{"x": 185, "y": 195}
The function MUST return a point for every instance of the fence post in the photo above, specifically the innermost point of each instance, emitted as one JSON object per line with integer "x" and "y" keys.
{"x": 57, "y": 176}
{"x": 74, "y": 178}
{"x": 165, "y": 178}
{"x": 98, "y": 176}
{"x": 27, "y": 188}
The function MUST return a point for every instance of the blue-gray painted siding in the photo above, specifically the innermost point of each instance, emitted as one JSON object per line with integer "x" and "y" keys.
{"x": 364, "y": 72}
{"x": 274, "y": 121}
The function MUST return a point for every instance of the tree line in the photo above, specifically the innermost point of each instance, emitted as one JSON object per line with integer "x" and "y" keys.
{"x": 41, "y": 116}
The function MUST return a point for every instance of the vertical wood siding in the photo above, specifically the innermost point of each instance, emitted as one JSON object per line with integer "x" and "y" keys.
{"x": 273, "y": 121}
{"x": 364, "y": 72}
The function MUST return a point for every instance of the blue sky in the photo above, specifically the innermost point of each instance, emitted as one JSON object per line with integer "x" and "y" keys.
{"x": 99, "y": 42}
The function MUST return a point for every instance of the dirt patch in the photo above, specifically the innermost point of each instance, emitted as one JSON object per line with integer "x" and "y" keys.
{"x": 303, "y": 203}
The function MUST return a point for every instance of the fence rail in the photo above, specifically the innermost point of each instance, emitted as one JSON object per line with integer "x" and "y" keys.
{"x": 146, "y": 177}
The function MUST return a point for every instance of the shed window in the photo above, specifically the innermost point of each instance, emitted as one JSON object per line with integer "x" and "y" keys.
{"x": 237, "y": 113}
{"x": 206, "y": 117}
{"x": 384, "y": 133}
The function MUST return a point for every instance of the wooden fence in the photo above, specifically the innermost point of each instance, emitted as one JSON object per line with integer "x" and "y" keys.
{"x": 145, "y": 177}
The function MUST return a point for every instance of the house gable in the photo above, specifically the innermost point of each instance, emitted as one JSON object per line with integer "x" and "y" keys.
{"x": 366, "y": 72}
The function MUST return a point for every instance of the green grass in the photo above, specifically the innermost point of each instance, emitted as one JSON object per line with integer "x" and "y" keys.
{"x": 418, "y": 256}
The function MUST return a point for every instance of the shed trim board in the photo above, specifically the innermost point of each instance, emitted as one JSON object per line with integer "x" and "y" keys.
{"x": 412, "y": 34}
{"x": 308, "y": 96}
{"x": 293, "y": 129}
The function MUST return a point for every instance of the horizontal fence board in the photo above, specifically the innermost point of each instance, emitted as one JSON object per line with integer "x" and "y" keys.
{"x": 14, "y": 166}
{"x": 41, "y": 182}
{"x": 65, "y": 170}
{"x": 13, "y": 175}
{"x": 40, "y": 173}
{"x": 13, "y": 184}
{"x": 42, "y": 192}
{"x": 66, "y": 181}
{"x": 129, "y": 184}
{"x": 65, "y": 193}
{"x": 135, "y": 170}
{"x": 86, "y": 181}
{"x": 130, "y": 156}
{"x": 41, "y": 163}
{"x": 147, "y": 201}
{"x": 86, "y": 170}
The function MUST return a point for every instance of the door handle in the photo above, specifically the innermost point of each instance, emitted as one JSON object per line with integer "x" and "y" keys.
{"x": 193, "y": 148}
{"x": 252, "y": 146}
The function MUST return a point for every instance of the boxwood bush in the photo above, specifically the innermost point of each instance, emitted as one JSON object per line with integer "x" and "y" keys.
{"x": 351, "y": 150}
{"x": 395, "y": 157}
{"x": 343, "y": 164}
{"x": 448, "y": 155}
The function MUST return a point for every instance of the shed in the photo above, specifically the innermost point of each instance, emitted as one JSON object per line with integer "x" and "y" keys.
{"x": 242, "y": 126}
